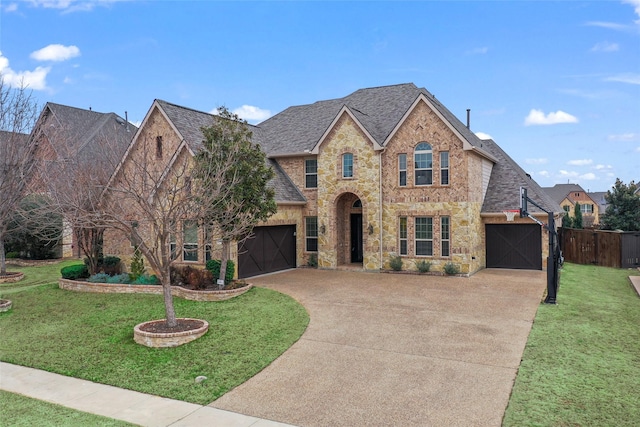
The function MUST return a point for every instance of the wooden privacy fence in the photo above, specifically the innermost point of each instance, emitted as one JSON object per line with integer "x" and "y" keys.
{"x": 599, "y": 247}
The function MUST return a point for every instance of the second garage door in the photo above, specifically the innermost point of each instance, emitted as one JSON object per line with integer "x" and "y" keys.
{"x": 270, "y": 249}
{"x": 514, "y": 246}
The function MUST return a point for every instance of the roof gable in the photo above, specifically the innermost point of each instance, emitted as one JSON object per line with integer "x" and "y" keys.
{"x": 346, "y": 111}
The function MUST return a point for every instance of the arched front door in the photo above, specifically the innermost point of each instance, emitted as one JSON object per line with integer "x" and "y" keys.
{"x": 349, "y": 229}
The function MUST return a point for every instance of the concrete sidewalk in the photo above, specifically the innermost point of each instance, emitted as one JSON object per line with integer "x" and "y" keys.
{"x": 126, "y": 405}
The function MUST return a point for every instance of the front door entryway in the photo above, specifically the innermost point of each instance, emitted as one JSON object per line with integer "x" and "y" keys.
{"x": 356, "y": 237}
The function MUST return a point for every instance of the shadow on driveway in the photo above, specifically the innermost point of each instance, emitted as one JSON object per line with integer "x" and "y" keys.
{"x": 396, "y": 349}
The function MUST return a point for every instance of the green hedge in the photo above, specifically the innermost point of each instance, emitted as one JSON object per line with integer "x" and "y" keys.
{"x": 213, "y": 265}
{"x": 75, "y": 272}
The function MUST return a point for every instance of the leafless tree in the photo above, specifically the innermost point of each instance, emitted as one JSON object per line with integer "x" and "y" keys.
{"x": 18, "y": 114}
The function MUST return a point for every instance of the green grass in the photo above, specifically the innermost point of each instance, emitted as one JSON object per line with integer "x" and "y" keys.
{"x": 581, "y": 365}
{"x": 33, "y": 276}
{"x": 90, "y": 336}
{"x": 17, "y": 411}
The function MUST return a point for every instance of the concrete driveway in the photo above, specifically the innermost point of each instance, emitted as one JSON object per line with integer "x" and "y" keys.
{"x": 396, "y": 350}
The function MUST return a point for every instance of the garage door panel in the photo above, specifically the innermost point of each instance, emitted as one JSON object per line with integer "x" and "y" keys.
{"x": 270, "y": 249}
{"x": 514, "y": 246}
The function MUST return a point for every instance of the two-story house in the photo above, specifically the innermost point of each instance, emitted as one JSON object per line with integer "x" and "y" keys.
{"x": 567, "y": 195}
{"x": 383, "y": 172}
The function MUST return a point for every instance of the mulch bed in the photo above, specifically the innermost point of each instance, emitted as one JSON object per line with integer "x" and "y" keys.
{"x": 162, "y": 327}
{"x": 236, "y": 284}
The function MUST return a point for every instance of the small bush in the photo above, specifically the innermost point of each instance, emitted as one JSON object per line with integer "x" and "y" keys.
{"x": 423, "y": 266}
{"x": 75, "y": 272}
{"x": 395, "y": 263}
{"x": 99, "y": 278}
{"x": 137, "y": 265}
{"x": 313, "y": 260}
{"x": 188, "y": 276}
{"x": 120, "y": 278}
{"x": 451, "y": 268}
{"x": 145, "y": 279}
{"x": 13, "y": 254}
{"x": 213, "y": 265}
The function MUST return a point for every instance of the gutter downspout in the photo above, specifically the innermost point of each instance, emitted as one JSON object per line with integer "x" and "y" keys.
{"x": 380, "y": 204}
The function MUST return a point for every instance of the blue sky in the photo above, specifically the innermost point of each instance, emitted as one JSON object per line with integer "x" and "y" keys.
{"x": 555, "y": 84}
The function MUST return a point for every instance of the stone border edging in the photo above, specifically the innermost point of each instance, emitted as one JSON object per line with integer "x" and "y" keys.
{"x": 178, "y": 291}
{"x": 12, "y": 277}
{"x": 168, "y": 339}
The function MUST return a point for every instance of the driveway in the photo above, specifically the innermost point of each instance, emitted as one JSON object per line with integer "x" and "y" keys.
{"x": 394, "y": 349}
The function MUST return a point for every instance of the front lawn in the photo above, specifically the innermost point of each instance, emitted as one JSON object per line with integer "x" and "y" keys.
{"x": 581, "y": 365}
{"x": 21, "y": 411}
{"x": 90, "y": 336}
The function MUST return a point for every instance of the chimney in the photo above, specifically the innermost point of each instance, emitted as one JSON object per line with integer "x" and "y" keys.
{"x": 468, "y": 117}
{"x": 126, "y": 119}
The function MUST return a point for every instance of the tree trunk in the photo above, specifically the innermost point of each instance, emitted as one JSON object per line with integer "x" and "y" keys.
{"x": 170, "y": 311}
{"x": 223, "y": 262}
{"x": 3, "y": 261}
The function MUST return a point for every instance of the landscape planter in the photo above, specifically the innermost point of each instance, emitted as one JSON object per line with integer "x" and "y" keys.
{"x": 11, "y": 277}
{"x": 193, "y": 295}
{"x": 5, "y": 305}
{"x": 144, "y": 334}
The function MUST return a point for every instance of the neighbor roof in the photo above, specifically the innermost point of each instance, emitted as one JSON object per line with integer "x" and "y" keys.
{"x": 559, "y": 192}
{"x": 503, "y": 192}
{"x": 298, "y": 129}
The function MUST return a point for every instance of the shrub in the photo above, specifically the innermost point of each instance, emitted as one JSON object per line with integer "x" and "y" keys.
{"x": 313, "y": 260}
{"x": 99, "y": 278}
{"x": 145, "y": 279}
{"x": 137, "y": 265}
{"x": 120, "y": 278}
{"x": 451, "y": 268}
{"x": 12, "y": 254}
{"x": 423, "y": 266}
{"x": 75, "y": 272}
{"x": 213, "y": 265}
{"x": 191, "y": 277}
{"x": 109, "y": 264}
{"x": 395, "y": 263}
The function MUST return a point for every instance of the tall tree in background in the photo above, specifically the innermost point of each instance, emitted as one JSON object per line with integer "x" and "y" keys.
{"x": 234, "y": 213}
{"x": 18, "y": 114}
{"x": 623, "y": 208}
{"x": 577, "y": 217}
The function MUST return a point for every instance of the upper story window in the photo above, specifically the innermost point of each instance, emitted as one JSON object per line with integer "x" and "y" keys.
{"x": 158, "y": 147}
{"x": 311, "y": 173}
{"x": 566, "y": 208}
{"x": 402, "y": 170}
{"x": 423, "y": 156}
{"x": 347, "y": 165}
{"x": 586, "y": 208}
{"x": 444, "y": 168}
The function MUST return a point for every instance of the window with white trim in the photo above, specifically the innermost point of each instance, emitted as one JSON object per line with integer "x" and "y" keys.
{"x": 424, "y": 236}
{"x": 445, "y": 236}
{"x": 347, "y": 165}
{"x": 444, "y": 168}
{"x": 423, "y": 170}
{"x": 586, "y": 209}
{"x": 402, "y": 170}
{"x": 311, "y": 233}
{"x": 190, "y": 240}
{"x": 311, "y": 173}
{"x": 402, "y": 236}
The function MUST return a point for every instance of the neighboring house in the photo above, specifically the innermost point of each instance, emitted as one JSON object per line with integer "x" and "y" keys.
{"x": 601, "y": 202}
{"x": 382, "y": 172}
{"x": 64, "y": 133}
{"x": 567, "y": 195}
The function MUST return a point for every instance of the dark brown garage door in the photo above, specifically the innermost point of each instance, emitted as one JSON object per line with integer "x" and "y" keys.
{"x": 514, "y": 246}
{"x": 270, "y": 249}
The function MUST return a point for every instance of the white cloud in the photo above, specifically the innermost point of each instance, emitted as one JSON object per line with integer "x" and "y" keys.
{"x": 545, "y": 174}
{"x": 580, "y": 162}
{"x": 540, "y": 161}
{"x": 11, "y": 7}
{"x": 568, "y": 174}
{"x": 605, "y": 47}
{"x": 252, "y": 114}
{"x": 56, "y": 53}
{"x": 638, "y": 149}
{"x": 483, "y": 135}
{"x": 636, "y": 7}
{"x": 588, "y": 176}
{"x": 609, "y": 25}
{"x": 603, "y": 167}
{"x": 68, "y": 6}
{"x": 478, "y": 51}
{"x": 624, "y": 137}
{"x": 537, "y": 117}
{"x": 35, "y": 80}
{"x": 630, "y": 78}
